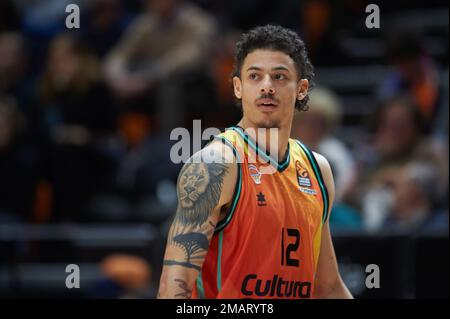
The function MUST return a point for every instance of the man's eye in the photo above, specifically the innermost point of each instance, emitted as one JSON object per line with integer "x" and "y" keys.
{"x": 253, "y": 76}
{"x": 279, "y": 77}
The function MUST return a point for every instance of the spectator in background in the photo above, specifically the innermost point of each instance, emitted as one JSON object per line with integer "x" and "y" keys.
{"x": 316, "y": 128}
{"x": 412, "y": 72}
{"x": 41, "y": 21}
{"x": 222, "y": 67}
{"x": 106, "y": 21}
{"x": 79, "y": 120}
{"x": 398, "y": 135}
{"x": 14, "y": 78}
{"x": 415, "y": 194}
{"x": 397, "y": 141}
{"x": 18, "y": 167}
{"x": 322, "y": 31}
{"x": 170, "y": 40}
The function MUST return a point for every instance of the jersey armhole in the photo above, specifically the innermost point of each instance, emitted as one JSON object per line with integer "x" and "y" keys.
{"x": 317, "y": 171}
{"x": 237, "y": 188}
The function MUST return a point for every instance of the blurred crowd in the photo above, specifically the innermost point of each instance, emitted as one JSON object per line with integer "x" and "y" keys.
{"x": 86, "y": 114}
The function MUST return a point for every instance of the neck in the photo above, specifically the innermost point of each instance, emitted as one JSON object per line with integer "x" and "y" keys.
{"x": 279, "y": 136}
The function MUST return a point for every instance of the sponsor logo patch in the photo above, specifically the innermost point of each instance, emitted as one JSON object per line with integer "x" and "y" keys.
{"x": 254, "y": 173}
{"x": 308, "y": 191}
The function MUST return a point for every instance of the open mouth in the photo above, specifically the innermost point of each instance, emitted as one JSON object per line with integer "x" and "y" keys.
{"x": 266, "y": 104}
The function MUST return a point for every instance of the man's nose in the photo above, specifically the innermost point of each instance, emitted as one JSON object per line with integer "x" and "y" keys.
{"x": 267, "y": 86}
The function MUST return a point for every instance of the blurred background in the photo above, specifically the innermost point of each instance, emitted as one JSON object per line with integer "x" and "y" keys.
{"x": 86, "y": 115}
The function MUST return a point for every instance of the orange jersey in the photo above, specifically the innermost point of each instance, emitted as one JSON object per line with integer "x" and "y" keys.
{"x": 268, "y": 244}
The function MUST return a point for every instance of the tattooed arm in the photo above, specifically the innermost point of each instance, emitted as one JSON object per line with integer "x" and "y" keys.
{"x": 205, "y": 186}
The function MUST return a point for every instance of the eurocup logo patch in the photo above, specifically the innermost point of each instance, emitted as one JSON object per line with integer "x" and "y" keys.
{"x": 303, "y": 179}
{"x": 254, "y": 173}
{"x": 302, "y": 175}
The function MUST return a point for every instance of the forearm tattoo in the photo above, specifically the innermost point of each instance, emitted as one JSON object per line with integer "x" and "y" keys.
{"x": 185, "y": 291}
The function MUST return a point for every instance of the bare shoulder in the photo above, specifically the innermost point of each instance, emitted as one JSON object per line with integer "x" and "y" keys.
{"x": 324, "y": 165}
{"x": 217, "y": 151}
{"x": 327, "y": 173}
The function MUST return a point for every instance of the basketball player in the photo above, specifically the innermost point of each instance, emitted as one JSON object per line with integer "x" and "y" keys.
{"x": 242, "y": 233}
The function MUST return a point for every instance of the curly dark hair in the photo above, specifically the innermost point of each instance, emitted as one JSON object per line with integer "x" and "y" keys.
{"x": 276, "y": 38}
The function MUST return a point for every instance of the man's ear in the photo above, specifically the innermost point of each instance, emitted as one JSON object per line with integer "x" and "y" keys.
{"x": 302, "y": 89}
{"x": 237, "y": 87}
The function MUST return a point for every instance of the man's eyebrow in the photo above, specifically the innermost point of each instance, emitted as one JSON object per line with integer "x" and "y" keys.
{"x": 280, "y": 68}
{"x": 277, "y": 68}
{"x": 256, "y": 68}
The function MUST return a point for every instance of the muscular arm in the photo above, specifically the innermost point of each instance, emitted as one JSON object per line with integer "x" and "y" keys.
{"x": 203, "y": 189}
{"x": 328, "y": 282}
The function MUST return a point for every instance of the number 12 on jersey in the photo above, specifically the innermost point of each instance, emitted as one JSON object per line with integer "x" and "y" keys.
{"x": 290, "y": 242}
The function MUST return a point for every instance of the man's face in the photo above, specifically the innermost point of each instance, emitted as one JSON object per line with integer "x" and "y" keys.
{"x": 268, "y": 88}
{"x": 397, "y": 133}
